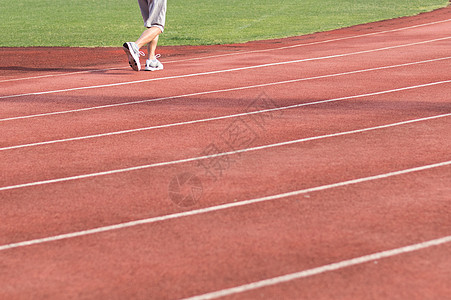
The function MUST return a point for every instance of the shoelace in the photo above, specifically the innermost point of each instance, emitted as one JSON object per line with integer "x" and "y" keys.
{"x": 156, "y": 57}
{"x": 136, "y": 50}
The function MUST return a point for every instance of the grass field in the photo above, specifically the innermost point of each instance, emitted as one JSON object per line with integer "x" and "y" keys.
{"x": 95, "y": 23}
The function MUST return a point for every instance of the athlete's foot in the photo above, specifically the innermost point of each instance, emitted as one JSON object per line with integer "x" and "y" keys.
{"x": 133, "y": 54}
{"x": 153, "y": 64}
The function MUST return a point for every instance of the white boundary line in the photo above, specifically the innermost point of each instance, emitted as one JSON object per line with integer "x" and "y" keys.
{"x": 222, "y": 71}
{"x": 238, "y": 53}
{"x": 186, "y": 160}
{"x": 322, "y": 269}
{"x": 219, "y": 207}
{"x": 215, "y": 91}
{"x": 217, "y": 118}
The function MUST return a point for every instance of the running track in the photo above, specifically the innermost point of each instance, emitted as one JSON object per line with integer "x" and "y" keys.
{"x": 314, "y": 167}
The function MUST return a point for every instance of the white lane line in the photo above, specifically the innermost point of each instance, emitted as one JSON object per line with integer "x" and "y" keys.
{"x": 218, "y": 118}
{"x": 222, "y": 71}
{"x": 214, "y": 91}
{"x": 219, "y": 207}
{"x": 315, "y": 43}
{"x": 63, "y": 74}
{"x": 238, "y": 53}
{"x": 192, "y": 159}
{"x": 322, "y": 269}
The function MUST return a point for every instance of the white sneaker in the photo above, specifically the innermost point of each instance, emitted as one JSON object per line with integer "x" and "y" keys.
{"x": 133, "y": 54}
{"x": 153, "y": 64}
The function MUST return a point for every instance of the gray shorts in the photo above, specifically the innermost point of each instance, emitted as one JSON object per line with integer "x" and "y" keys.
{"x": 153, "y": 12}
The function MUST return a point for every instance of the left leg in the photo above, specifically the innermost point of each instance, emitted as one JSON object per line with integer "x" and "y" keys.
{"x": 151, "y": 47}
{"x": 152, "y": 63}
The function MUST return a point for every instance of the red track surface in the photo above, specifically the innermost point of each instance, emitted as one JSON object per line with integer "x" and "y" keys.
{"x": 360, "y": 103}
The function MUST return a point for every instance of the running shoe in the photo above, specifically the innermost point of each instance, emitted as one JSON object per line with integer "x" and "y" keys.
{"x": 153, "y": 64}
{"x": 133, "y": 54}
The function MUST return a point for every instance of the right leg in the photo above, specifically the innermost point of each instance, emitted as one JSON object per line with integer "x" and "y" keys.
{"x": 148, "y": 36}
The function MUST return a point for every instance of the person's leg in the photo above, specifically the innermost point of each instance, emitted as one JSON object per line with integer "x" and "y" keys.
{"x": 148, "y": 36}
{"x": 154, "y": 20}
{"x": 152, "y": 63}
{"x": 154, "y": 15}
{"x": 151, "y": 47}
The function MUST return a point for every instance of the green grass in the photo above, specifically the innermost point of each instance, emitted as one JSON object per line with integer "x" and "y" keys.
{"x": 94, "y": 23}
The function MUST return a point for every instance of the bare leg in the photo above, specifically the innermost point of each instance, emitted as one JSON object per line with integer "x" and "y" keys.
{"x": 151, "y": 47}
{"x": 148, "y": 36}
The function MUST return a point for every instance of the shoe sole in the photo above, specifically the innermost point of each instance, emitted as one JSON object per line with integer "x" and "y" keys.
{"x": 153, "y": 69}
{"x": 131, "y": 60}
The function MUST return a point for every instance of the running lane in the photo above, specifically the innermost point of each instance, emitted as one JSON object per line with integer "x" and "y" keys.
{"x": 388, "y": 128}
